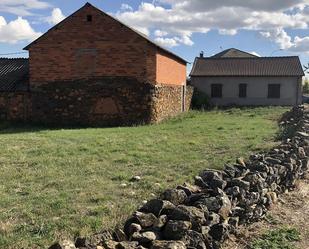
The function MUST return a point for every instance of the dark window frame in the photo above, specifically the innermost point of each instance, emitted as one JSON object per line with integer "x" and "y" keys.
{"x": 274, "y": 91}
{"x": 216, "y": 90}
{"x": 242, "y": 90}
{"x": 89, "y": 18}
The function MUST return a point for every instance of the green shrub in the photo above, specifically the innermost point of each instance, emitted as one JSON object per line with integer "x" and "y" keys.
{"x": 200, "y": 100}
{"x": 306, "y": 86}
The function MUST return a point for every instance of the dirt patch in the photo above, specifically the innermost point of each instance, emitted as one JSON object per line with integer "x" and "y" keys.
{"x": 292, "y": 210}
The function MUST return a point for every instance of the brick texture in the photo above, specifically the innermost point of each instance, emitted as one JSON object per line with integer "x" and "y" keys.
{"x": 97, "y": 73}
{"x": 79, "y": 49}
{"x": 169, "y": 70}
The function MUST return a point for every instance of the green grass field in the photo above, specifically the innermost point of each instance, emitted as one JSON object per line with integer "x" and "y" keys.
{"x": 67, "y": 182}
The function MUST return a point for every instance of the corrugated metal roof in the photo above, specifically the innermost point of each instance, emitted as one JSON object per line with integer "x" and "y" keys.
{"x": 255, "y": 66}
{"x": 14, "y": 74}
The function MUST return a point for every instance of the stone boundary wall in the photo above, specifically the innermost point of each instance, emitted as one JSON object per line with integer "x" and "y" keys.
{"x": 110, "y": 101}
{"x": 202, "y": 215}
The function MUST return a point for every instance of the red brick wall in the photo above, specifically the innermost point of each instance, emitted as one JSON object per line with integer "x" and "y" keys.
{"x": 169, "y": 71}
{"x": 78, "y": 49}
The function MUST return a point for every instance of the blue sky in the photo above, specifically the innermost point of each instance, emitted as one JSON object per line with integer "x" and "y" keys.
{"x": 185, "y": 27}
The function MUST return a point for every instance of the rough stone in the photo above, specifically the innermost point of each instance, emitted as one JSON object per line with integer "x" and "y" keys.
{"x": 175, "y": 196}
{"x": 176, "y": 229}
{"x": 155, "y": 206}
{"x": 163, "y": 244}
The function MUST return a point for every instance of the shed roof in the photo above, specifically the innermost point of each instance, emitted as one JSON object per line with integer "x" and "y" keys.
{"x": 139, "y": 33}
{"x": 251, "y": 66}
{"x": 14, "y": 74}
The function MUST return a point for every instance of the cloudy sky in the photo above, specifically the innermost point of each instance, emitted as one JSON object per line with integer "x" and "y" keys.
{"x": 264, "y": 27}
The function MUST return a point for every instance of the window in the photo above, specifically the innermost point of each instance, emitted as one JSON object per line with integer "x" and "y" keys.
{"x": 216, "y": 90}
{"x": 274, "y": 91}
{"x": 89, "y": 18}
{"x": 242, "y": 90}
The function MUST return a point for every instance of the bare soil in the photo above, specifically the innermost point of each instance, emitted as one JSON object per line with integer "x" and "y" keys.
{"x": 292, "y": 210}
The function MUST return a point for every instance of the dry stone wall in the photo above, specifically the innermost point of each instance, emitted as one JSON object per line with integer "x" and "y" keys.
{"x": 108, "y": 101}
{"x": 203, "y": 214}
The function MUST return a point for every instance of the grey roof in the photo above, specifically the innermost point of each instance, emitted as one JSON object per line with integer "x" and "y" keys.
{"x": 139, "y": 33}
{"x": 14, "y": 74}
{"x": 254, "y": 66}
{"x": 233, "y": 53}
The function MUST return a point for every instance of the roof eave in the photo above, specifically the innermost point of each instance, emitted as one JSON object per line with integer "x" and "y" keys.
{"x": 243, "y": 75}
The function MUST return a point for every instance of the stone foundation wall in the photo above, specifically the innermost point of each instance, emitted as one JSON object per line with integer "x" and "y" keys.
{"x": 169, "y": 101}
{"x": 111, "y": 101}
{"x": 188, "y": 97}
{"x": 203, "y": 214}
{"x": 14, "y": 106}
{"x": 101, "y": 102}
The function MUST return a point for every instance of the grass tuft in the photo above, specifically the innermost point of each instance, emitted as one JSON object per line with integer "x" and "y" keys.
{"x": 281, "y": 238}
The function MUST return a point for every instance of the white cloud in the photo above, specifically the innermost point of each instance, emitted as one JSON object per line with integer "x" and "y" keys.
{"x": 126, "y": 7}
{"x": 285, "y": 41}
{"x": 22, "y": 7}
{"x": 166, "y": 42}
{"x": 300, "y": 45}
{"x": 227, "y": 31}
{"x": 16, "y": 30}
{"x": 255, "y": 53}
{"x": 177, "y": 20}
{"x": 205, "y": 5}
{"x": 55, "y": 17}
{"x": 160, "y": 33}
{"x": 279, "y": 36}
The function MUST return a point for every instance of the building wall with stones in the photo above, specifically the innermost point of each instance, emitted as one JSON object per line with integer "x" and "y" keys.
{"x": 14, "y": 106}
{"x": 91, "y": 69}
{"x": 108, "y": 101}
{"x": 168, "y": 101}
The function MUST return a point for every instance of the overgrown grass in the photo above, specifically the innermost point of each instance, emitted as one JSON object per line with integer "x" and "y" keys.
{"x": 67, "y": 182}
{"x": 281, "y": 238}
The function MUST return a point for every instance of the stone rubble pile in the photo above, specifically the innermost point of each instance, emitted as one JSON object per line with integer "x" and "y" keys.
{"x": 202, "y": 215}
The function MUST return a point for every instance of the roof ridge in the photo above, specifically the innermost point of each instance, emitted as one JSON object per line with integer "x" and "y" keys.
{"x": 226, "y": 51}
{"x": 246, "y": 58}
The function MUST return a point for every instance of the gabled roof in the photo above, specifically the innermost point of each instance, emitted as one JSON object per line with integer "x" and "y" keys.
{"x": 233, "y": 53}
{"x": 14, "y": 74}
{"x": 137, "y": 32}
{"x": 255, "y": 66}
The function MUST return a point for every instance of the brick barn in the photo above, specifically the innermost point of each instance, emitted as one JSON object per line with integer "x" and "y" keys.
{"x": 91, "y": 69}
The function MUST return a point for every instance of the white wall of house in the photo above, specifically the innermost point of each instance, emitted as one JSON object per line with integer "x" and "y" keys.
{"x": 257, "y": 90}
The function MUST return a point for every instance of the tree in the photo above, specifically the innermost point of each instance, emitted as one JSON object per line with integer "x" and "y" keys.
{"x": 306, "y": 68}
{"x": 306, "y": 87}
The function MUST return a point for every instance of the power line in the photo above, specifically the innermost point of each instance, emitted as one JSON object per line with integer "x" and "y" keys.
{"x": 14, "y": 53}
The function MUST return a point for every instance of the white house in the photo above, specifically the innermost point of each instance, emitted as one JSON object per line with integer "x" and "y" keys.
{"x": 234, "y": 77}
